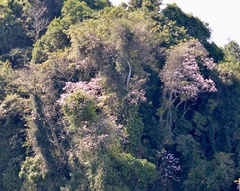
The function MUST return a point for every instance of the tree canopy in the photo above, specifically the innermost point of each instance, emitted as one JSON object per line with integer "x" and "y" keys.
{"x": 99, "y": 97}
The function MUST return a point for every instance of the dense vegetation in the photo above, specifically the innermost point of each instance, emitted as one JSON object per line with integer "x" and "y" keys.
{"x": 104, "y": 98}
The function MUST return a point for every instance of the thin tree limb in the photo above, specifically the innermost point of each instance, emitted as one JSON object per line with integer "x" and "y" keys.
{"x": 129, "y": 74}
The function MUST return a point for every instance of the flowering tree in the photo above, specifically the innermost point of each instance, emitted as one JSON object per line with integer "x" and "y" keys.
{"x": 182, "y": 75}
{"x": 96, "y": 138}
{"x": 92, "y": 88}
{"x": 168, "y": 166}
{"x": 79, "y": 105}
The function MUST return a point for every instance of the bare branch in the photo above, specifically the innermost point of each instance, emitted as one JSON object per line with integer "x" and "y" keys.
{"x": 129, "y": 74}
{"x": 38, "y": 22}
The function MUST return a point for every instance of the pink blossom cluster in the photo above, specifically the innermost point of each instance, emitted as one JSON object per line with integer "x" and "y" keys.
{"x": 209, "y": 63}
{"x": 186, "y": 78}
{"x": 136, "y": 94}
{"x": 91, "y": 88}
{"x": 82, "y": 64}
{"x": 89, "y": 142}
{"x": 99, "y": 134}
{"x": 168, "y": 166}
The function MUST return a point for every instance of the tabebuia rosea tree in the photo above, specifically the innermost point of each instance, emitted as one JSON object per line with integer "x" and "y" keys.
{"x": 168, "y": 167}
{"x": 185, "y": 77}
{"x": 96, "y": 140}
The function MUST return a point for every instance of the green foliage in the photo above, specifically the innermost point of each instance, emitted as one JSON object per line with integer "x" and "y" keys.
{"x": 135, "y": 3}
{"x": 78, "y": 108}
{"x": 170, "y": 34}
{"x": 116, "y": 85}
{"x": 116, "y": 49}
{"x": 229, "y": 72}
{"x": 74, "y": 11}
{"x": 18, "y": 57}
{"x": 151, "y": 5}
{"x": 11, "y": 32}
{"x": 31, "y": 169}
{"x": 183, "y": 126}
{"x": 134, "y": 129}
{"x": 54, "y": 39}
{"x": 97, "y": 4}
{"x": 11, "y": 129}
{"x": 10, "y": 113}
{"x": 200, "y": 122}
{"x": 6, "y": 74}
{"x": 9, "y": 177}
{"x": 214, "y": 51}
{"x": 231, "y": 51}
{"x": 213, "y": 175}
{"x": 138, "y": 173}
{"x": 194, "y": 26}
{"x": 190, "y": 151}
{"x": 229, "y": 68}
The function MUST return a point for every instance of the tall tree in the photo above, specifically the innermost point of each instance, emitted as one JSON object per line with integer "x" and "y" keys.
{"x": 36, "y": 20}
{"x": 183, "y": 79}
{"x": 11, "y": 32}
{"x": 195, "y": 27}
